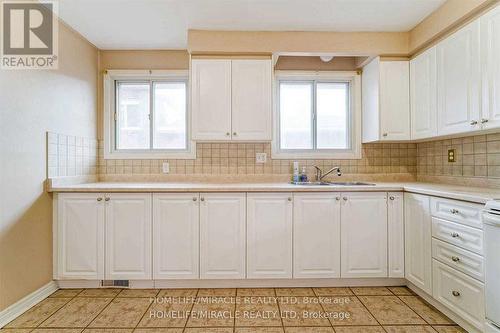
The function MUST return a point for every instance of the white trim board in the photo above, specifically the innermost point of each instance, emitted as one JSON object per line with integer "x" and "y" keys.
{"x": 24, "y": 304}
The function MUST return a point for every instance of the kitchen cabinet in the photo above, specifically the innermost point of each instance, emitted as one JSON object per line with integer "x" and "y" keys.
{"x": 128, "y": 236}
{"x": 79, "y": 236}
{"x": 222, "y": 235}
{"x": 176, "y": 224}
{"x": 386, "y": 100}
{"x": 418, "y": 241}
{"x": 423, "y": 92}
{"x": 269, "y": 235}
{"x": 395, "y": 234}
{"x": 316, "y": 237}
{"x": 490, "y": 53}
{"x": 458, "y": 81}
{"x": 231, "y": 99}
{"x": 364, "y": 234}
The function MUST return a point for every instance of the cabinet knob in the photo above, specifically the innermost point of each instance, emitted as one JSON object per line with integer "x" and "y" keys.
{"x": 484, "y": 121}
{"x": 455, "y": 293}
{"x": 391, "y": 198}
{"x": 455, "y": 259}
{"x": 455, "y": 235}
{"x": 107, "y": 199}
{"x": 228, "y": 134}
{"x": 384, "y": 135}
{"x": 289, "y": 199}
{"x": 337, "y": 198}
{"x": 454, "y": 211}
{"x": 345, "y": 198}
{"x": 202, "y": 199}
{"x": 234, "y": 133}
{"x": 99, "y": 199}
{"x": 473, "y": 122}
{"x": 195, "y": 199}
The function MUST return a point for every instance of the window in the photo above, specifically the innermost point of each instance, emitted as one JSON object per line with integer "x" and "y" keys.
{"x": 317, "y": 115}
{"x": 147, "y": 115}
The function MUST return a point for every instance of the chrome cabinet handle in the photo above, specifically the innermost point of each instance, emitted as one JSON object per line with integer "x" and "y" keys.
{"x": 455, "y": 235}
{"x": 455, "y": 259}
{"x": 99, "y": 199}
{"x": 484, "y": 121}
{"x": 454, "y": 211}
{"x": 473, "y": 122}
{"x": 107, "y": 199}
{"x": 455, "y": 293}
{"x": 195, "y": 199}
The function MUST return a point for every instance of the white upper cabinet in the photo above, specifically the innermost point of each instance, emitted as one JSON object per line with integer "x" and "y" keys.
{"x": 251, "y": 99}
{"x": 128, "y": 236}
{"x": 386, "y": 101}
{"x": 423, "y": 91}
{"x": 176, "y": 224}
{"x": 79, "y": 237}
{"x": 364, "y": 235}
{"x": 269, "y": 235}
{"x": 222, "y": 235}
{"x": 211, "y": 99}
{"x": 490, "y": 53}
{"x": 316, "y": 236}
{"x": 231, "y": 99}
{"x": 458, "y": 81}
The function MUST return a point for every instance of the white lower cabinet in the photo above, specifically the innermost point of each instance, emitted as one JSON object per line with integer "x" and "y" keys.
{"x": 222, "y": 235}
{"x": 269, "y": 235}
{"x": 128, "y": 236}
{"x": 316, "y": 236}
{"x": 396, "y": 235}
{"x": 364, "y": 234}
{"x": 418, "y": 253}
{"x": 79, "y": 236}
{"x": 176, "y": 226}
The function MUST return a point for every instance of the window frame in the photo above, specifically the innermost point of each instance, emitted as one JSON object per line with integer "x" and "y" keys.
{"x": 354, "y": 117}
{"x": 111, "y": 77}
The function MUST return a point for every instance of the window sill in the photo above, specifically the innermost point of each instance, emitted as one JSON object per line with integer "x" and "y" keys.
{"x": 151, "y": 155}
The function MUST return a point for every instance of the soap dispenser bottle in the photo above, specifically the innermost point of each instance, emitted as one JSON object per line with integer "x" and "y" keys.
{"x": 303, "y": 175}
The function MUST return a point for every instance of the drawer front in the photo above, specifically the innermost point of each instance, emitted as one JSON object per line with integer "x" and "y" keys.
{"x": 460, "y": 235}
{"x": 459, "y": 292}
{"x": 457, "y": 211}
{"x": 466, "y": 262}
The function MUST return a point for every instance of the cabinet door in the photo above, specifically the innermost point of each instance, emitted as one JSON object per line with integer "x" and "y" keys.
{"x": 176, "y": 223}
{"x": 396, "y": 235}
{"x": 423, "y": 91}
{"x": 211, "y": 99}
{"x": 316, "y": 236}
{"x": 458, "y": 81}
{"x": 490, "y": 52}
{"x": 128, "y": 236}
{"x": 418, "y": 252}
{"x": 269, "y": 235}
{"x": 364, "y": 234}
{"x": 79, "y": 236}
{"x": 251, "y": 99}
{"x": 395, "y": 100}
{"x": 222, "y": 235}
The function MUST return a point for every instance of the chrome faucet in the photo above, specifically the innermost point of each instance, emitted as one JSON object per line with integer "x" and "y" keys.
{"x": 320, "y": 175}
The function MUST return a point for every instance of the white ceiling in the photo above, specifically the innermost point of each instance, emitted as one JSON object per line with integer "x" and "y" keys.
{"x": 163, "y": 24}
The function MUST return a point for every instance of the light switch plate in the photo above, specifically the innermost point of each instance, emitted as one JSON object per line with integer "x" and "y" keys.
{"x": 165, "y": 167}
{"x": 260, "y": 157}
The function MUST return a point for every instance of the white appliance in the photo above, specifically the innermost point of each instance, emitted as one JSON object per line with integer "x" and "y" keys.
{"x": 491, "y": 226}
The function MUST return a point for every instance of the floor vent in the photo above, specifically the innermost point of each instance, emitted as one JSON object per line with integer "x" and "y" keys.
{"x": 115, "y": 283}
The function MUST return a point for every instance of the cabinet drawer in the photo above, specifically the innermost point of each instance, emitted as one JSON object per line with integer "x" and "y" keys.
{"x": 459, "y": 292}
{"x": 457, "y": 211}
{"x": 460, "y": 235}
{"x": 467, "y": 262}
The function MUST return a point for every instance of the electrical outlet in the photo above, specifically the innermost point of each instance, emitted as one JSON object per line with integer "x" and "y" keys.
{"x": 451, "y": 155}
{"x": 260, "y": 157}
{"x": 165, "y": 167}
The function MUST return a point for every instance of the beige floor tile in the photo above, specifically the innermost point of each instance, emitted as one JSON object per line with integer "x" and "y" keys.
{"x": 79, "y": 312}
{"x": 359, "y": 329}
{"x": 347, "y": 311}
{"x": 158, "y": 330}
{"x": 209, "y": 330}
{"x": 306, "y": 312}
{"x": 217, "y": 292}
{"x": 99, "y": 292}
{"x": 108, "y": 330}
{"x": 424, "y": 310}
{"x": 309, "y": 330}
{"x": 122, "y": 313}
{"x": 449, "y": 329}
{"x": 66, "y": 293}
{"x": 403, "y": 291}
{"x": 251, "y": 313}
{"x": 409, "y": 329}
{"x": 177, "y": 293}
{"x": 212, "y": 314}
{"x": 371, "y": 291}
{"x": 15, "y": 330}
{"x": 255, "y": 292}
{"x": 259, "y": 330}
{"x": 334, "y": 291}
{"x": 57, "y": 330}
{"x": 390, "y": 310}
{"x": 37, "y": 314}
{"x": 138, "y": 293}
{"x": 170, "y": 313}
{"x": 294, "y": 292}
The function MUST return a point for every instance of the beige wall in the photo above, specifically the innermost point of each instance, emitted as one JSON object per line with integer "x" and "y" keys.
{"x": 31, "y": 103}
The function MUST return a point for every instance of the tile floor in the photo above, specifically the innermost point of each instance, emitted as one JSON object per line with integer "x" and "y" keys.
{"x": 269, "y": 310}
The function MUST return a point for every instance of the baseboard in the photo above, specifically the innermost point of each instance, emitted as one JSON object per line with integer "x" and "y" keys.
{"x": 26, "y": 303}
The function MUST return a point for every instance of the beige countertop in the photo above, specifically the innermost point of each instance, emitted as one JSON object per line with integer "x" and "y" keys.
{"x": 472, "y": 194}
